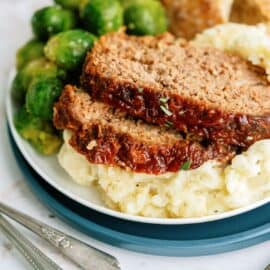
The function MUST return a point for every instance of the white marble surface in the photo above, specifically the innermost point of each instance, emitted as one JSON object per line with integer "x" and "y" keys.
{"x": 14, "y": 30}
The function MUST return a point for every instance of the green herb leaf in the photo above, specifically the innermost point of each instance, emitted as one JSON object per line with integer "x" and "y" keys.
{"x": 186, "y": 165}
{"x": 140, "y": 89}
{"x": 164, "y": 99}
{"x": 168, "y": 124}
{"x": 165, "y": 110}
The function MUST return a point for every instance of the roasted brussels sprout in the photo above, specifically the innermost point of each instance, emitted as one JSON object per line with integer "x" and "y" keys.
{"x": 69, "y": 48}
{"x": 145, "y": 18}
{"x": 102, "y": 16}
{"x": 41, "y": 96}
{"x": 39, "y": 133}
{"x": 71, "y": 4}
{"x": 49, "y": 21}
{"x": 126, "y": 3}
{"x": 82, "y": 5}
{"x": 33, "y": 49}
{"x": 17, "y": 89}
{"x": 38, "y": 67}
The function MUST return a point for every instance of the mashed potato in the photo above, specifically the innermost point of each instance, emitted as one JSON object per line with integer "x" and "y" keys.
{"x": 250, "y": 42}
{"x": 205, "y": 191}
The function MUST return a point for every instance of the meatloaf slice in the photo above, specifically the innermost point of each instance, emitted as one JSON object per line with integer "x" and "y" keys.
{"x": 107, "y": 136}
{"x": 218, "y": 96}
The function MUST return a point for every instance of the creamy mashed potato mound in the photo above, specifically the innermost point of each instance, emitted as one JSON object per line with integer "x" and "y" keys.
{"x": 208, "y": 190}
{"x": 249, "y": 41}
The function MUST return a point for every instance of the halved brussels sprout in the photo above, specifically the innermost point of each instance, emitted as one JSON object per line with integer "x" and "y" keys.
{"x": 49, "y": 21}
{"x": 41, "y": 96}
{"x": 33, "y": 49}
{"x": 102, "y": 16}
{"x": 68, "y": 49}
{"x": 40, "y": 134}
{"x": 38, "y": 67}
{"x": 145, "y": 18}
{"x": 71, "y": 4}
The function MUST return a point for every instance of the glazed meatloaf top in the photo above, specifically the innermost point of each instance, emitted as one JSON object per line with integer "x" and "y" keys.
{"x": 162, "y": 79}
{"x": 107, "y": 136}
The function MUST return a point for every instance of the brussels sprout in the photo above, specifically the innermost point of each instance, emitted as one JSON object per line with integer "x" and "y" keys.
{"x": 41, "y": 96}
{"x": 102, "y": 16}
{"x": 71, "y": 4}
{"x": 33, "y": 49}
{"x": 41, "y": 134}
{"x": 38, "y": 67}
{"x": 68, "y": 49}
{"x": 17, "y": 89}
{"x": 49, "y": 21}
{"x": 82, "y": 5}
{"x": 126, "y": 3}
{"x": 145, "y": 18}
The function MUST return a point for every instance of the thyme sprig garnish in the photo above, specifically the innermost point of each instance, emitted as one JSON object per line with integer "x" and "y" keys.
{"x": 186, "y": 166}
{"x": 164, "y": 100}
{"x": 168, "y": 124}
{"x": 164, "y": 105}
{"x": 165, "y": 110}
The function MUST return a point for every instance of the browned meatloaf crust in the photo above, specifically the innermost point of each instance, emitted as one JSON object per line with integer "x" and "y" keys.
{"x": 217, "y": 96}
{"x": 107, "y": 136}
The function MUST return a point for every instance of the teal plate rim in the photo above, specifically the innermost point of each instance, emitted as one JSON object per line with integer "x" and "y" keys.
{"x": 200, "y": 239}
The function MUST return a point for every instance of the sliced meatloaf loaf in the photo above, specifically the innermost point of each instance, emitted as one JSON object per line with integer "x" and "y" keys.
{"x": 217, "y": 96}
{"x": 107, "y": 136}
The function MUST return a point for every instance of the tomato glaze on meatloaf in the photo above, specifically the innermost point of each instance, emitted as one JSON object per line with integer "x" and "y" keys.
{"x": 105, "y": 135}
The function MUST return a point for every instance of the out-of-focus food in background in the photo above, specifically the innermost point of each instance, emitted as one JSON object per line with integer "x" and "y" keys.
{"x": 187, "y": 18}
{"x": 250, "y": 11}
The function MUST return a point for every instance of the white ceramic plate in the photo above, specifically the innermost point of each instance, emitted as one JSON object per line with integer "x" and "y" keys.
{"x": 49, "y": 169}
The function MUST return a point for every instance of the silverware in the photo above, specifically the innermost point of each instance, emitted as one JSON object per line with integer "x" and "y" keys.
{"x": 34, "y": 256}
{"x": 82, "y": 254}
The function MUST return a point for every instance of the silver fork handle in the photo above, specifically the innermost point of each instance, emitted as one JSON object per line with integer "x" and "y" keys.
{"x": 82, "y": 254}
{"x": 35, "y": 257}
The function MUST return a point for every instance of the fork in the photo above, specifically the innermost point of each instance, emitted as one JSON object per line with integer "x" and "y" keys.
{"x": 34, "y": 256}
{"x": 80, "y": 253}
